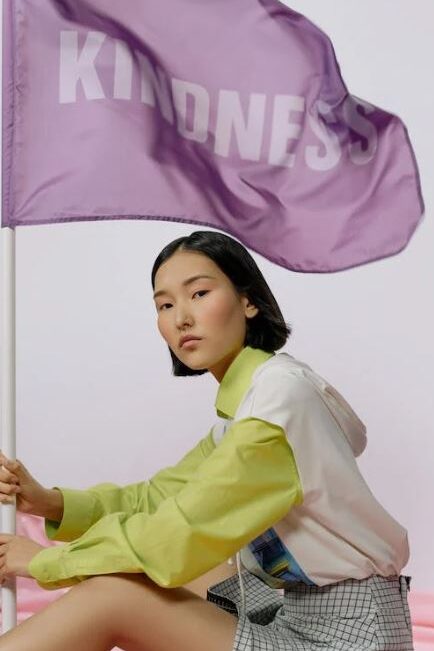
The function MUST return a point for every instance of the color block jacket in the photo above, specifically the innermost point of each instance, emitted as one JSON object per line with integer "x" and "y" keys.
{"x": 275, "y": 482}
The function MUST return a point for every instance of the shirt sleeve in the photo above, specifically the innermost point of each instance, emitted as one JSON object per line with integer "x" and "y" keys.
{"x": 248, "y": 483}
{"x": 82, "y": 508}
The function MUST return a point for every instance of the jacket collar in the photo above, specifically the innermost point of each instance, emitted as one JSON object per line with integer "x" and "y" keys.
{"x": 237, "y": 379}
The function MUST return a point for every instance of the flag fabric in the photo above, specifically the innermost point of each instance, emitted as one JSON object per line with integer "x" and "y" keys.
{"x": 229, "y": 114}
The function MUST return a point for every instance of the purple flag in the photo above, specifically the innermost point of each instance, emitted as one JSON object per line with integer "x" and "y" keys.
{"x": 229, "y": 114}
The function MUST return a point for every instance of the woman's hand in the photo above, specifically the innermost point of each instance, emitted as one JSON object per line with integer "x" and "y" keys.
{"x": 16, "y": 481}
{"x": 16, "y": 552}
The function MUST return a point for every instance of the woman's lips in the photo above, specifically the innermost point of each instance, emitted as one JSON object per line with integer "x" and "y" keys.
{"x": 190, "y": 343}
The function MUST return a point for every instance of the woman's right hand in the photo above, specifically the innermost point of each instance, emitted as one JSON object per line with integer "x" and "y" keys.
{"x": 15, "y": 480}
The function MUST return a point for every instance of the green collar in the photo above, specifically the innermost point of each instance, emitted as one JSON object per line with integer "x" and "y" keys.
{"x": 237, "y": 378}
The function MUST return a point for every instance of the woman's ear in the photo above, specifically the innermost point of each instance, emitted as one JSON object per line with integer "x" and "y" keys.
{"x": 250, "y": 310}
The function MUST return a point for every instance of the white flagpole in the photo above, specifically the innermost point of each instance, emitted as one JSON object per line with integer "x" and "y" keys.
{"x": 8, "y": 408}
{"x": 8, "y": 399}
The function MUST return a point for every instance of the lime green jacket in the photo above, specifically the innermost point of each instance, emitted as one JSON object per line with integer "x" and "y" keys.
{"x": 187, "y": 518}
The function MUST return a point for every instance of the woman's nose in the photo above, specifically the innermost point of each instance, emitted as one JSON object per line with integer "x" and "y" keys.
{"x": 182, "y": 316}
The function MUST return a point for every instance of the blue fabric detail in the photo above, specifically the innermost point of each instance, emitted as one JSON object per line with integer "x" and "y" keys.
{"x": 275, "y": 559}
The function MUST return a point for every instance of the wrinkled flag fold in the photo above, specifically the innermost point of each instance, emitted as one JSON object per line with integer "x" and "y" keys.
{"x": 229, "y": 114}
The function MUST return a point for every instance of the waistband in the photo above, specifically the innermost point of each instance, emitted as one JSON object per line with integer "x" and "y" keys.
{"x": 354, "y": 596}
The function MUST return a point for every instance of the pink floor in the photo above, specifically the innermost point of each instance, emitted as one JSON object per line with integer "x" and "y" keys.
{"x": 31, "y": 598}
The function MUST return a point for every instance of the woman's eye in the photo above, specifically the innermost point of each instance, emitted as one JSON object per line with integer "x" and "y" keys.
{"x": 200, "y": 291}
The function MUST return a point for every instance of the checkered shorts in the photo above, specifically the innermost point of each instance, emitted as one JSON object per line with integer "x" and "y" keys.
{"x": 353, "y": 615}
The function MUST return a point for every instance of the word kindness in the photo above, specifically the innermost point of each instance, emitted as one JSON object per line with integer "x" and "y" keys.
{"x": 253, "y": 125}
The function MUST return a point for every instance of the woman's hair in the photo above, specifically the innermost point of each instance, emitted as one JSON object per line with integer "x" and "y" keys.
{"x": 267, "y": 329}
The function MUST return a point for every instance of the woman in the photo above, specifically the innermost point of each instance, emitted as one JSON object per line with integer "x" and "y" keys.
{"x": 274, "y": 483}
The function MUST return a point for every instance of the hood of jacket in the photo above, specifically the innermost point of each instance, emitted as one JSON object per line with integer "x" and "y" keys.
{"x": 350, "y": 424}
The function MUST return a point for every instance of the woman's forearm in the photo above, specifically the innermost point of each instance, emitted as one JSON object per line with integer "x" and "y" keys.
{"x": 51, "y": 506}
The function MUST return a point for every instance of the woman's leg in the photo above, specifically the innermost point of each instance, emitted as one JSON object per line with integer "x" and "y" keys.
{"x": 200, "y": 585}
{"x": 125, "y": 610}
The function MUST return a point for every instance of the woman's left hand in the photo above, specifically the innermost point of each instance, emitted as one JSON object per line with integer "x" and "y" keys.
{"x": 16, "y": 552}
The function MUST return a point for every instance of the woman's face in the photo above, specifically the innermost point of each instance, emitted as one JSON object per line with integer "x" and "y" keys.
{"x": 207, "y": 307}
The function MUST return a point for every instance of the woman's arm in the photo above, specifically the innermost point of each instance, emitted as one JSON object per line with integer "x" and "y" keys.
{"x": 70, "y": 512}
{"x": 248, "y": 483}
{"x": 52, "y": 506}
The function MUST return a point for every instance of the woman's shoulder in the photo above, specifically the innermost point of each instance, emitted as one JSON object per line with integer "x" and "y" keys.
{"x": 283, "y": 385}
{"x": 284, "y": 374}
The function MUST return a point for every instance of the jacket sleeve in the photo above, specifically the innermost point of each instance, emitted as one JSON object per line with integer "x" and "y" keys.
{"x": 82, "y": 508}
{"x": 248, "y": 483}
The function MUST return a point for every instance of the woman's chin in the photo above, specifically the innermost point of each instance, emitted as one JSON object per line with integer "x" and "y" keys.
{"x": 198, "y": 365}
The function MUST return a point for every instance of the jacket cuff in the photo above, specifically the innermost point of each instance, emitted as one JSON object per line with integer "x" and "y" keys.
{"x": 78, "y": 510}
{"x": 48, "y": 563}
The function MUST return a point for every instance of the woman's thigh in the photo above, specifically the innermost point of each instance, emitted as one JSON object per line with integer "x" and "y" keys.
{"x": 200, "y": 585}
{"x": 146, "y": 617}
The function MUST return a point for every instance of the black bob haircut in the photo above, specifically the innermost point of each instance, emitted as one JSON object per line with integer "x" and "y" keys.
{"x": 268, "y": 329}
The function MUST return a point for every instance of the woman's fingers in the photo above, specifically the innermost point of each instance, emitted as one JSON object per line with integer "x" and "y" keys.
{"x": 2, "y": 563}
{"x": 8, "y": 492}
{"x": 3, "y": 459}
{"x": 6, "y": 475}
{"x": 11, "y": 466}
{"x": 8, "y": 480}
{"x": 9, "y": 488}
{"x": 5, "y": 499}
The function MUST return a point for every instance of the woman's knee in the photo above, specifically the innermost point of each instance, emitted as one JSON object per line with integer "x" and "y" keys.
{"x": 104, "y": 596}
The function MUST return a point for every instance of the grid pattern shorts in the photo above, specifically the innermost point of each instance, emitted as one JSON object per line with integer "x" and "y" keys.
{"x": 371, "y": 614}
